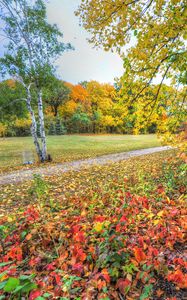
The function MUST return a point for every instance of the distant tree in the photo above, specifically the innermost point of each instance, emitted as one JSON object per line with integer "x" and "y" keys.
{"x": 3, "y": 129}
{"x": 96, "y": 120}
{"x": 68, "y": 109}
{"x": 81, "y": 121}
{"x": 56, "y": 95}
{"x": 22, "y": 127}
{"x": 12, "y": 104}
{"x": 79, "y": 94}
{"x": 59, "y": 127}
{"x": 84, "y": 84}
{"x": 33, "y": 46}
{"x": 52, "y": 130}
{"x": 100, "y": 95}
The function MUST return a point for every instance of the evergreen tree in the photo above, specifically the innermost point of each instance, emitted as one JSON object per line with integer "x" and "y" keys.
{"x": 52, "y": 129}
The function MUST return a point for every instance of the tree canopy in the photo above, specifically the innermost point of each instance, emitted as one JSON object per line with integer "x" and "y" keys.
{"x": 33, "y": 44}
{"x": 56, "y": 94}
{"x": 151, "y": 37}
{"x": 12, "y": 105}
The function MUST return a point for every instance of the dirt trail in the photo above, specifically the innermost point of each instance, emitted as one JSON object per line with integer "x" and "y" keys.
{"x": 23, "y": 175}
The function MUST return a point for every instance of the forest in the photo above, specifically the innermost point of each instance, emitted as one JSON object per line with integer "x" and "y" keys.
{"x": 90, "y": 107}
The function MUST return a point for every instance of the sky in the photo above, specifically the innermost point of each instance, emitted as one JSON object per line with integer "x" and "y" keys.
{"x": 84, "y": 63}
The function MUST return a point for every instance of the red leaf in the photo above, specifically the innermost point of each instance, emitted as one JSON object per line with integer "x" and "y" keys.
{"x": 106, "y": 275}
{"x": 179, "y": 278}
{"x": 35, "y": 294}
{"x": 123, "y": 284}
{"x": 78, "y": 268}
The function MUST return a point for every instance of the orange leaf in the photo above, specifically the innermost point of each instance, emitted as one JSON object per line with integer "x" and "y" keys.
{"x": 28, "y": 237}
{"x": 101, "y": 284}
{"x": 139, "y": 255}
{"x": 106, "y": 275}
{"x": 159, "y": 292}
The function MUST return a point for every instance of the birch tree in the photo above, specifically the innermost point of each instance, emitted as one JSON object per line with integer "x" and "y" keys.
{"x": 33, "y": 46}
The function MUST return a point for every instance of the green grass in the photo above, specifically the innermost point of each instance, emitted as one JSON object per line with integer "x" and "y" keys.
{"x": 72, "y": 147}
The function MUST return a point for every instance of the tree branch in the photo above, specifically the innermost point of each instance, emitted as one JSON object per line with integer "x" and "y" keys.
{"x": 14, "y": 101}
{"x": 154, "y": 73}
{"x": 158, "y": 91}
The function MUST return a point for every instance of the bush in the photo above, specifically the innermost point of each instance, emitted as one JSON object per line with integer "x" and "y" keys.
{"x": 22, "y": 127}
{"x": 3, "y": 130}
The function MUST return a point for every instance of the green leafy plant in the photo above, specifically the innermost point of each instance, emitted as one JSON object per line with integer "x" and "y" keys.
{"x": 18, "y": 287}
{"x": 39, "y": 187}
{"x": 146, "y": 292}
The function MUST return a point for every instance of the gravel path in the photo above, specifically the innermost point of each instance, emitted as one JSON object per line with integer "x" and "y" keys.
{"x": 19, "y": 176}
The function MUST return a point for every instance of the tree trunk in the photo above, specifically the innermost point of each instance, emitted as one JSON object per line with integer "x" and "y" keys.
{"x": 33, "y": 125}
{"x": 55, "y": 110}
{"x": 42, "y": 127}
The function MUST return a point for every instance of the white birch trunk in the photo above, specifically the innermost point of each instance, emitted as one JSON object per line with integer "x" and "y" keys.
{"x": 33, "y": 125}
{"x": 42, "y": 127}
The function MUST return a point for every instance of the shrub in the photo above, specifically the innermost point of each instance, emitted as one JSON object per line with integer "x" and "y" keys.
{"x": 22, "y": 127}
{"x": 3, "y": 130}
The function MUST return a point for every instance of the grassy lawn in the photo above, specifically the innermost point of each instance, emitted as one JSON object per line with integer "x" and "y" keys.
{"x": 66, "y": 148}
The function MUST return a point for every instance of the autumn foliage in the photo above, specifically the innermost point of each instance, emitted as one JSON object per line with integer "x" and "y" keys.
{"x": 93, "y": 107}
{"x": 109, "y": 243}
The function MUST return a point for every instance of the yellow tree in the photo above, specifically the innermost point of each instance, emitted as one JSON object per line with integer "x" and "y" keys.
{"x": 100, "y": 95}
{"x": 101, "y": 99}
{"x": 69, "y": 108}
{"x": 151, "y": 38}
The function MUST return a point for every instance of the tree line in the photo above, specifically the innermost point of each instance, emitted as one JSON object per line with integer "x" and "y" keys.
{"x": 87, "y": 107}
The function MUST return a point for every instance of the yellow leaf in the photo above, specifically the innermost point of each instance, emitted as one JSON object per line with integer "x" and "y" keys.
{"x": 98, "y": 227}
{"x": 150, "y": 216}
{"x": 107, "y": 223}
{"x": 160, "y": 214}
{"x": 3, "y": 277}
{"x": 156, "y": 222}
{"x": 83, "y": 213}
{"x": 129, "y": 277}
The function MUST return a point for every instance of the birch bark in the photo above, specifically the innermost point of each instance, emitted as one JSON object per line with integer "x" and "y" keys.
{"x": 42, "y": 127}
{"x": 33, "y": 125}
